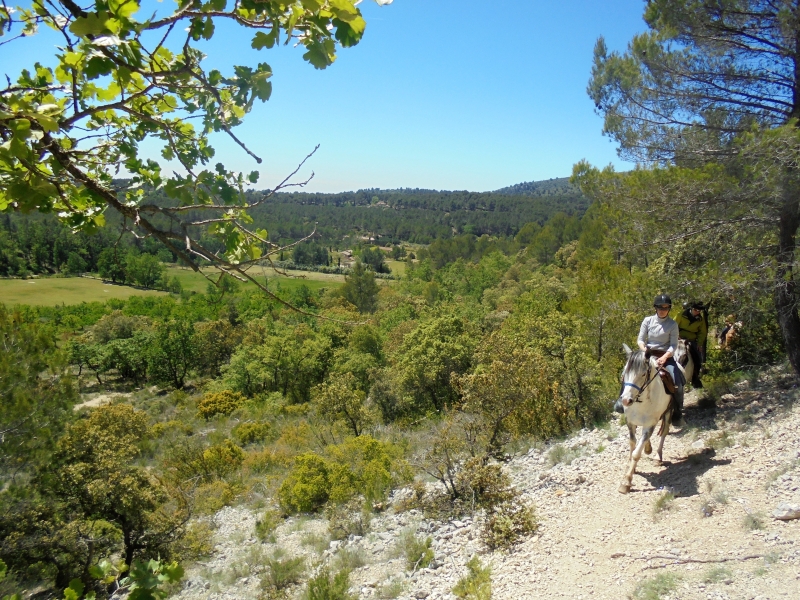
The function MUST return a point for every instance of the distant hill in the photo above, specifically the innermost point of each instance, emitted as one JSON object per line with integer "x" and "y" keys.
{"x": 559, "y": 186}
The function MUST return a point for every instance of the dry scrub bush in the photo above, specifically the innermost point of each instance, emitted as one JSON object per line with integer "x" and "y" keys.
{"x": 508, "y": 523}
{"x": 350, "y": 518}
{"x": 219, "y": 403}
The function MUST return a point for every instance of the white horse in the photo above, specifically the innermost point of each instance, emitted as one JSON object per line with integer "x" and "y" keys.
{"x": 646, "y": 403}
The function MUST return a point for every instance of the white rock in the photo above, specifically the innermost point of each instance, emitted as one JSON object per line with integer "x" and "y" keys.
{"x": 786, "y": 512}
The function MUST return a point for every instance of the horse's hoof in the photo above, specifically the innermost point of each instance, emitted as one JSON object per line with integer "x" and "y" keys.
{"x": 658, "y": 462}
{"x": 648, "y": 448}
{"x": 624, "y": 488}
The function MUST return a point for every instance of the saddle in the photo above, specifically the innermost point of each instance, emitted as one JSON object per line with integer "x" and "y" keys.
{"x": 666, "y": 378}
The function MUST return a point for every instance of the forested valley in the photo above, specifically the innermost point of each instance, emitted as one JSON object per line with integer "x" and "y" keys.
{"x": 452, "y": 332}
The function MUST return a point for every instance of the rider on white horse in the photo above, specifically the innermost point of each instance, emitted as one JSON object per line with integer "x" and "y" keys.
{"x": 658, "y": 336}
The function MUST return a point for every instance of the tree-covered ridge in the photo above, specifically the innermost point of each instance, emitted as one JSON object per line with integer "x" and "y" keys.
{"x": 547, "y": 187}
{"x": 417, "y": 216}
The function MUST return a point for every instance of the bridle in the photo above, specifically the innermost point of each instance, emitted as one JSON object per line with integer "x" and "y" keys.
{"x": 636, "y": 387}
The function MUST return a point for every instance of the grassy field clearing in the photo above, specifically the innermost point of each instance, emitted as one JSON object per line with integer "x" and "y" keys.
{"x": 52, "y": 291}
{"x": 195, "y": 282}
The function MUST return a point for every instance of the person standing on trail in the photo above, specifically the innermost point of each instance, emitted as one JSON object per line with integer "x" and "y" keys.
{"x": 693, "y": 328}
{"x": 658, "y": 336}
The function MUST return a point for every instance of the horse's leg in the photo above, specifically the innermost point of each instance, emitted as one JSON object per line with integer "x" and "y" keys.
{"x": 631, "y": 438}
{"x": 636, "y": 454}
{"x": 664, "y": 430}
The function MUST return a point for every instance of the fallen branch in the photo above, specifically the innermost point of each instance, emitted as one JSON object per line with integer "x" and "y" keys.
{"x": 686, "y": 561}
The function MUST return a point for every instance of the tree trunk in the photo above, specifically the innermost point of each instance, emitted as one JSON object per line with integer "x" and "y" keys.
{"x": 786, "y": 286}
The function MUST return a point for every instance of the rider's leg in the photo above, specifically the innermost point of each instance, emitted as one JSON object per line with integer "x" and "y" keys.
{"x": 677, "y": 414}
{"x": 698, "y": 363}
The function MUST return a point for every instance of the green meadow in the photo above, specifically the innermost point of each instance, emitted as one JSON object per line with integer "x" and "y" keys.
{"x": 52, "y": 291}
{"x": 197, "y": 282}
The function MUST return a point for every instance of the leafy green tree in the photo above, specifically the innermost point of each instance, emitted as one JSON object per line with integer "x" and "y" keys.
{"x": 75, "y": 264}
{"x": 173, "y": 352}
{"x": 713, "y": 86}
{"x": 375, "y": 259}
{"x": 360, "y": 289}
{"x": 145, "y": 270}
{"x": 92, "y": 471}
{"x": 430, "y": 355}
{"x": 36, "y": 389}
{"x": 215, "y": 342}
{"x": 132, "y": 77}
{"x": 109, "y": 266}
{"x": 340, "y": 399}
{"x": 290, "y": 360}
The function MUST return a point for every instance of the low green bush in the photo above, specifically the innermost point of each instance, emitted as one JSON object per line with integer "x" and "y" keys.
{"x": 476, "y": 584}
{"x": 416, "y": 551}
{"x": 251, "y": 433}
{"x": 219, "y": 403}
{"x": 359, "y": 466}
{"x": 307, "y": 487}
{"x": 327, "y": 586}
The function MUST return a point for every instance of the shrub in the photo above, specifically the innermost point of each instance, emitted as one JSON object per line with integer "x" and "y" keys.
{"x": 266, "y": 525}
{"x": 282, "y": 572}
{"x": 307, "y": 487}
{"x": 656, "y": 587}
{"x": 416, "y": 551}
{"x": 211, "y": 497}
{"x": 485, "y": 485}
{"x": 351, "y": 518}
{"x": 219, "y": 403}
{"x": 196, "y": 543}
{"x": 361, "y": 465}
{"x": 508, "y": 523}
{"x": 222, "y": 459}
{"x": 663, "y": 503}
{"x": 476, "y": 584}
{"x": 326, "y": 586}
{"x": 366, "y": 466}
{"x": 250, "y": 433}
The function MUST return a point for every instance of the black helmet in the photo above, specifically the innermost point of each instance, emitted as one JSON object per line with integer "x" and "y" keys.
{"x": 687, "y": 305}
{"x": 698, "y": 304}
{"x": 662, "y": 299}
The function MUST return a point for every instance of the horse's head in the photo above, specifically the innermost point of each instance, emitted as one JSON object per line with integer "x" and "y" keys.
{"x": 634, "y": 376}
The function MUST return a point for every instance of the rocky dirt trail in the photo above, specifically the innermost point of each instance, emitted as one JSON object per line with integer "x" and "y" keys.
{"x": 729, "y": 470}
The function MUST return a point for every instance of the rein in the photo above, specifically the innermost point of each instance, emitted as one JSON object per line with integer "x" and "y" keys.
{"x": 641, "y": 389}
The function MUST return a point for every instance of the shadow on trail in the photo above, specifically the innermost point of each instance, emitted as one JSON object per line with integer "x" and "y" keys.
{"x": 682, "y": 475}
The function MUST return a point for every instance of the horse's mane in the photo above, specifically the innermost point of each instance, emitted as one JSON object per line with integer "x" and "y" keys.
{"x": 636, "y": 362}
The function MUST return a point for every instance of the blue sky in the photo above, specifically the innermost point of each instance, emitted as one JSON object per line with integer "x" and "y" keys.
{"x": 439, "y": 94}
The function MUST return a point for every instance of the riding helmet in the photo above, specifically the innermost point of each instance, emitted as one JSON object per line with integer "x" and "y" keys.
{"x": 662, "y": 299}
{"x": 698, "y": 304}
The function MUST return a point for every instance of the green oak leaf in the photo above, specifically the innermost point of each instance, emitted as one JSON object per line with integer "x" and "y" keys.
{"x": 265, "y": 40}
{"x": 123, "y": 8}
{"x": 90, "y": 25}
{"x": 320, "y": 54}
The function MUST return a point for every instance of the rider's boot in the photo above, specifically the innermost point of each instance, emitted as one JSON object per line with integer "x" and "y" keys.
{"x": 677, "y": 413}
